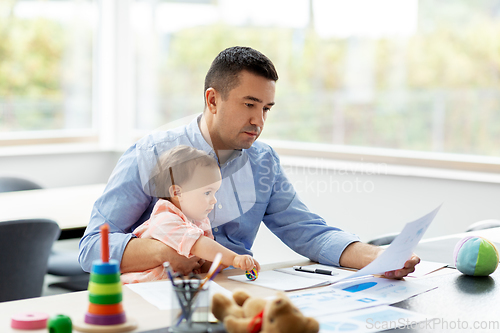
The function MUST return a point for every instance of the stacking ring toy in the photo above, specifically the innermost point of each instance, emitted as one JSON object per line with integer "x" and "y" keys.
{"x": 29, "y": 321}
{"x": 252, "y": 274}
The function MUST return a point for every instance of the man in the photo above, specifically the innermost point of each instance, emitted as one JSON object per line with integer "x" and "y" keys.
{"x": 239, "y": 93}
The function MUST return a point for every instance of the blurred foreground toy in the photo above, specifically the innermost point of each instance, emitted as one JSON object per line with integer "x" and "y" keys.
{"x": 105, "y": 312}
{"x": 29, "y": 320}
{"x": 476, "y": 256}
{"x": 244, "y": 313}
{"x": 60, "y": 324}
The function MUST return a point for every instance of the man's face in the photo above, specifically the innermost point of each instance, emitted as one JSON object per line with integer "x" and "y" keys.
{"x": 239, "y": 120}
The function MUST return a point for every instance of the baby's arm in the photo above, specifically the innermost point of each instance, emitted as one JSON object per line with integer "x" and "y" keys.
{"x": 206, "y": 248}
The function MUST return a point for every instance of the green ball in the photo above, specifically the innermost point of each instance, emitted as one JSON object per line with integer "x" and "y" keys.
{"x": 60, "y": 324}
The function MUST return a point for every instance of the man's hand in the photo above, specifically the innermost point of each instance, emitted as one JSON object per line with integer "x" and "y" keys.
{"x": 183, "y": 265}
{"x": 358, "y": 255}
{"x": 408, "y": 268}
{"x": 143, "y": 253}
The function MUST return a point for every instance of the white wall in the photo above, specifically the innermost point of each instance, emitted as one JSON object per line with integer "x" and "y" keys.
{"x": 384, "y": 203}
{"x": 370, "y": 204}
{"x": 57, "y": 169}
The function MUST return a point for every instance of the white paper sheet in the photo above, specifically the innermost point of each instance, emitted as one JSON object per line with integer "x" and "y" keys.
{"x": 161, "y": 295}
{"x": 340, "y": 273}
{"x": 281, "y": 281}
{"x": 374, "y": 319}
{"x": 401, "y": 248}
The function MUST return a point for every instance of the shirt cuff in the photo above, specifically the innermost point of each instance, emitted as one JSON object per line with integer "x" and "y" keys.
{"x": 334, "y": 246}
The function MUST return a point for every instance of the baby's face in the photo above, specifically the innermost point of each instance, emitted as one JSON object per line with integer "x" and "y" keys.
{"x": 199, "y": 198}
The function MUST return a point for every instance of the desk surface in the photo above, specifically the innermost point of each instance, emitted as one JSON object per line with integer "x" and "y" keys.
{"x": 148, "y": 316}
{"x": 70, "y": 207}
{"x": 458, "y": 299}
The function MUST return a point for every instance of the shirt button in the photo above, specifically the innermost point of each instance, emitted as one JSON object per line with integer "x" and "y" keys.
{"x": 216, "y": 229}
{"x": 220, "y": 206}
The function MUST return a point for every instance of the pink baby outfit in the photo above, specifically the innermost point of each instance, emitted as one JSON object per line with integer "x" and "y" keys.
{"x": 169, "y": 225}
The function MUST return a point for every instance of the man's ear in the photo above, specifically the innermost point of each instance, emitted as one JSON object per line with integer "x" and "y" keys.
{"x": 211, "y": 96}
{"x": 175, "y": 191}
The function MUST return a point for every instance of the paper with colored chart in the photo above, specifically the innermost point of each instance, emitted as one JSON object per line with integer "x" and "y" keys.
{"x": 354, "y": 295}
{"x": 389, "y": 291}
{"x": 327, "y": 301}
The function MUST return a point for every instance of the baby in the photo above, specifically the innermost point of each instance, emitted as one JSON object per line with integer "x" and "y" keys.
{"x": 185, "y": 181}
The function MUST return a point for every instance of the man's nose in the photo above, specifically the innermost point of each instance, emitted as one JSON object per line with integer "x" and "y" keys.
{"x": 258, "y": 119}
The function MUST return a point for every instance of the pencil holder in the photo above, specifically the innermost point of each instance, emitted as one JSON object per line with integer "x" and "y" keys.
{"x": 190, "y": 307}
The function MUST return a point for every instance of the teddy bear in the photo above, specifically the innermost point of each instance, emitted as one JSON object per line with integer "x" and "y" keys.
{"x": 246, "y": 314}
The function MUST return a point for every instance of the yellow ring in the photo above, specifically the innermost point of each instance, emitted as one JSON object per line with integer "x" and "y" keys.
{"x": 105, "y": 288}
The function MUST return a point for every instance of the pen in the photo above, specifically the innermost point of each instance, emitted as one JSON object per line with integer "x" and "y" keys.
{"x": 169, "y": 271}
{"x": 313, "y": 270}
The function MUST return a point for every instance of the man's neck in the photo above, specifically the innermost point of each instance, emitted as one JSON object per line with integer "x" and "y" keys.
{"x": 222, "y": 155}
{"x": 202, "y": 124}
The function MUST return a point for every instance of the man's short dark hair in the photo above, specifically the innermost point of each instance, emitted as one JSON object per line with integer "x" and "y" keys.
{"x": 223, "y": 73}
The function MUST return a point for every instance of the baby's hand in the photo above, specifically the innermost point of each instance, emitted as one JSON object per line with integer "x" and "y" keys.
{"x": 245, "y": 262}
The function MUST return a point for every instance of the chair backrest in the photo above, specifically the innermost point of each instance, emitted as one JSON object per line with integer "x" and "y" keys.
{"x": 12, "y": 184}
{"x": 25, "y": 246}
{"x": 383, "y": 239}
{"x": 484, "y": 224}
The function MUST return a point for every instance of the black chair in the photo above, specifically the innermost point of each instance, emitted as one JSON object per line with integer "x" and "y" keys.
{"x": 25, "y": 247}
{"x": 484, "y": 224}
{"x": 65, "y": 264}
{"x": 13, "y": 184}
{"x": 61, "y": 263}
{"x": 385, "y": 239}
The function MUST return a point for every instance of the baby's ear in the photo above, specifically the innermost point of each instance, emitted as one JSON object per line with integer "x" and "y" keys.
{"x": 175, "y": 191}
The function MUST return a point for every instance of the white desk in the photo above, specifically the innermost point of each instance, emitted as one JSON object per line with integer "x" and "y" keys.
{"x": 457, "y": 296}
{"x": 70, "y": 207}
{"x": 148, "y": 316}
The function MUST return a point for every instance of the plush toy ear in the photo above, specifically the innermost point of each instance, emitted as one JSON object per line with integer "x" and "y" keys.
{"x": 240, "y": 296}
{"x": 312, "y": 325}
{"x": 223, "y": 307}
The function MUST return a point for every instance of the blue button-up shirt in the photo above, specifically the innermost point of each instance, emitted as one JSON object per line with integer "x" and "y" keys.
{"x": 254, "y": 189}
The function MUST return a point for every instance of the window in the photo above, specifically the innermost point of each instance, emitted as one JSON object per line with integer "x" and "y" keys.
{"x": 420, "y": 75}
{"x": 413, "y": 75}
{"x": 46, "y": 68}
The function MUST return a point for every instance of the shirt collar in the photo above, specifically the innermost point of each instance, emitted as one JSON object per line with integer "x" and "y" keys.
{"x": 196, "y": 138}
